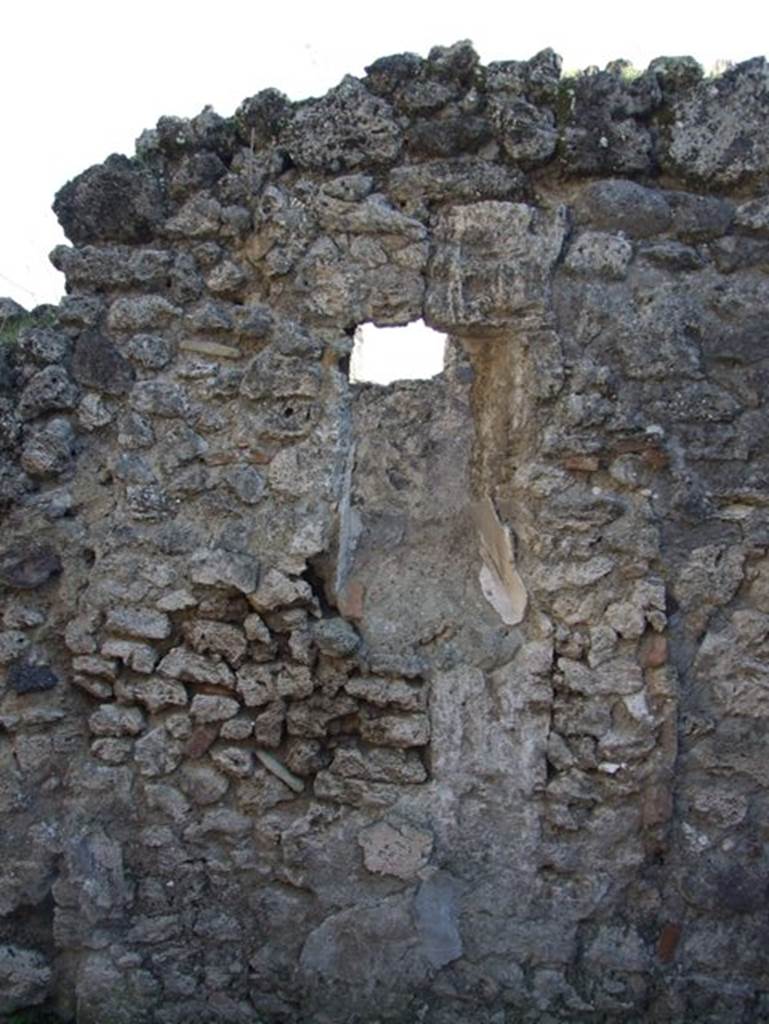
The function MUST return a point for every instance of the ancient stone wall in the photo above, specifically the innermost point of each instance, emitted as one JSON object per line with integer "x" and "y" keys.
{"x": 449, "y": 701}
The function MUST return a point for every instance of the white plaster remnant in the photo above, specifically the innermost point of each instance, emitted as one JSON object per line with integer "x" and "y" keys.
{"x": 395, "y": 848}
{"x": 500, "y": 581}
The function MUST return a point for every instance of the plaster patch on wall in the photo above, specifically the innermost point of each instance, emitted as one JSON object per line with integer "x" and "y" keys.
{"x": 500, "y": 581}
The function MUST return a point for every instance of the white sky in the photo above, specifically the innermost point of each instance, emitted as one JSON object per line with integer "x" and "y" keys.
{"x": 80, "y": 79}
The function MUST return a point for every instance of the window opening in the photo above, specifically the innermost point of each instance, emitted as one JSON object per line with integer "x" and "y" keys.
{"x": 382, "y": 355}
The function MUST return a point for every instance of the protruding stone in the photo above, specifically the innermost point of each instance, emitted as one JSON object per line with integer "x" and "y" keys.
{"x": 227, "y": 569}
{"x": 118, "y": 201}
{"x": 113, "y": 720}
{"x": 182, "y": 664}
{"x": 158, "y": 694}
{"x": 491, "y": 265}
{"x": 276, "y": 590}
{"x": 618, "y": 205}
{"x": 396, "y": 730}
{"x": 234, "y": 761}
{"x": 335, "y": 637}
{"x": 144, "y": 623}
{"x": 207, "y": 708}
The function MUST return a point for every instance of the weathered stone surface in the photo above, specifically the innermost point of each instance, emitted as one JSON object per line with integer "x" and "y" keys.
{"x": 623, "y": 206}
{"x": 203, "y": 784}
{"x": 28, "y": 566}
{"x": 25, "y": 976}
{"x": 698, "y": 218}
{"x": 346, "y": 946}
{"x": 335, "y": 637}
{"x": 97, "y": 364}
{"x": 49, "y": 450}
{"x": 491, "y": 264}
{"x": 50, "y": 390}
{"x": 233, "y": 761}
{"x": 13, "y": 643}
{"x": 157, "y": 753}
{"x": 140, "y": 657}
{"x": 27, "y": 677}
{"x": 596, "y": 253}
{"x": 437, "y": 919}
{"x": 228, "y": 569}
{"x": 379, "y": 765}
{"x": 140, "y": 313}
{"x": 278, "y": 590}
{"x": 158, "y": 694}
{"x": 118, "y": 201}
{"x": 112, "y": 720}
{"x": 182, "y": 664}
{"x": 348, "y": 128}
{"x": 139, "y": 622}
{"x": 313, "y": 746}
{"x": 463, "y": 179}
{"x": 396, "y": 730}
{"x": 213, "y": 709}
{"x": 387, "y": 692}
{"x": 102, "y": 268}
{"x": 711, "y": 137}
{"x": 209, "y": 637}
{"x": 395, "y": 848}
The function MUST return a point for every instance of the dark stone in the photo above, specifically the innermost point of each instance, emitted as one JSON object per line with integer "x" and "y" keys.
{"x": 102, "y": 268}
{"x": 699, "y": 218}
{"x": 459, "y": 61}
{"x": 50, "y": 390}
{"x": 42, "y": 345}
{"x": 97, "y": 364}
{"x": 30, "y": 568}
{"x": 261, "y": 118}
{"x": 216, "y": 133}
{"x": 152, "y": 351}
{"x": 81, "y": 310}
{"x": 732, "y": 253}
{"x": 675, "y": 74}
{"x": 185, "y": 281}
{"x": 10, "y": 311}
{"x": 616, "y": 205}
{"x": 527, "y": 132}
{"x": 449, "y": 136}
{"x": 196, "y": 171}
{"x": 346, "y": 129}
{"x": 672, "y": 255}
{"x": 117, "y": 201}
{"x": 175, "y": 136}
{"x": 26, "y": 678}
{"x": 388, "y": 73}
{"x": 462, "y": 179}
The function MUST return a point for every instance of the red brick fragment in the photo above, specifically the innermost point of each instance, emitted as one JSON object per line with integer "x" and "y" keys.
{"x": 668, "y": 942}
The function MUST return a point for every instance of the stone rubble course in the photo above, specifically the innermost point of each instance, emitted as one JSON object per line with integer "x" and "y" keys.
{"x": 325, "y": 703}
